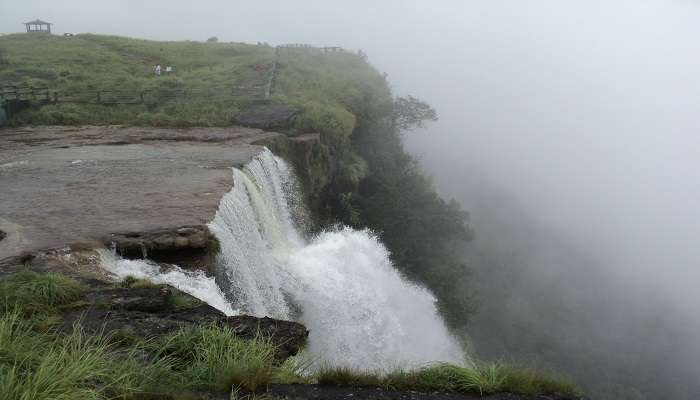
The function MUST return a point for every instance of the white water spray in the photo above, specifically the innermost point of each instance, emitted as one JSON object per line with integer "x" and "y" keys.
{"x": 360, "y": 312}
{"x": 194, "y": 283}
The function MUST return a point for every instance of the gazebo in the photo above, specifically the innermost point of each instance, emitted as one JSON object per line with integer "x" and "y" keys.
{"x": 38, "y": 26}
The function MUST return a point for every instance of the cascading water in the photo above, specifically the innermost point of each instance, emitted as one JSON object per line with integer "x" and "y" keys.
{"x": 359, "y": 310}
{"x": 341, "y": 284}
{"x": 195, "y": 283}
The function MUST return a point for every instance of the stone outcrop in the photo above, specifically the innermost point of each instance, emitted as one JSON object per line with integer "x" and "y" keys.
{"x": 190, "y": 247}
{"x": 156, "y": 310}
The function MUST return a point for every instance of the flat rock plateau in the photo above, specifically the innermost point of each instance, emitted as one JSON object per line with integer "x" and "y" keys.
{"x": 62, "y": 186}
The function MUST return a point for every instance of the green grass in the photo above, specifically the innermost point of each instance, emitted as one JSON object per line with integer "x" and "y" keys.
{"x": 216, "y": 358}
{"x": 38, "y": 293}
{"x": 297, "y": 369}
{"x": 40, "y": 366}
{"x": 39, "y": 363}
{"x": 37, "y": 366}
{"x": 476, "y": 379}
{"x": 90, "y": 62}
{"x": 96, "y": 62}
{"x": 181, "y": 302}
{"x": 332, "y": 91}
{"x": 133, "y": 282}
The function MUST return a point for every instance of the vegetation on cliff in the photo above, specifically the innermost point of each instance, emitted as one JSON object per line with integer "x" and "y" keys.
{"x": 41, "y": 359}
{"x": 377, "y": 184}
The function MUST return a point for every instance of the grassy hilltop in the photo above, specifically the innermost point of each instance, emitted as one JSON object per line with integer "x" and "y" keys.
{"x": 323, "y": 86}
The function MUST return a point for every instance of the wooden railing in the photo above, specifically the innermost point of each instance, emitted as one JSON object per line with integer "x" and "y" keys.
{"x": 24, "y": 93}
{"x": 304, "y": 46}
{"x": 43, "y": 94}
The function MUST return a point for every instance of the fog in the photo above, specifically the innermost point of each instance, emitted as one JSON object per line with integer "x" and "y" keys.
{"x": 568, "y": 130}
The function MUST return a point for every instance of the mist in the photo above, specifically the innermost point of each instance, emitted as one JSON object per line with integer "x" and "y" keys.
{"x": 568, "y": 130}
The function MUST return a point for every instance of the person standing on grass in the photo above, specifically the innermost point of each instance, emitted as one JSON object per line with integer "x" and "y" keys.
{"x": 157, "y": 69}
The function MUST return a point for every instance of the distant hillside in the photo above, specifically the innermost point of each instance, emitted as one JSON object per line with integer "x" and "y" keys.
{"x": 322, "y": 86}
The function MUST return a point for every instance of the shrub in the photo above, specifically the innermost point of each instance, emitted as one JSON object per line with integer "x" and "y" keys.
{"x": 333, "y": 122}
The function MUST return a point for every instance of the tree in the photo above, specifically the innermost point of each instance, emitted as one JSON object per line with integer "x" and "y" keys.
{"x": 213, "y": 39}
{"x": 410, "y": 113}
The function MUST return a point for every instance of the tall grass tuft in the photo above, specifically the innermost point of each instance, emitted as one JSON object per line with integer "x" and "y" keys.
{"x": 35, "y": 366}
{"x": 215, "y": 357}
{"x": 297, "y": 369}
{"x": 33, "y": 292}
{"x": 482, "y": 379}
{"x": 346, "y": 376}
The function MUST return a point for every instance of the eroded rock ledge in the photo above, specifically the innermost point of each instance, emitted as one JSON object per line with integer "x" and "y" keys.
{"x": 190, "y": 247}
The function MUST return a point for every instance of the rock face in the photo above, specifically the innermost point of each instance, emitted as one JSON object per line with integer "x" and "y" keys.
{"x": 68, "y": 185}
{"x": 328, "y": 392}
{"x": 154, "y": 311}
{"x": 190, "y": 247}
{"x": 266, "y": 116}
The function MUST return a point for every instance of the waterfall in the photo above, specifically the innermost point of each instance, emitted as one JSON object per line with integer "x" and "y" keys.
{"x": 341, "y": 284}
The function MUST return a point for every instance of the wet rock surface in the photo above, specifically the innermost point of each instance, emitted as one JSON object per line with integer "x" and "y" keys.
{"x": 151, "y": 312}
{"x": 189, "y": 247}
{"x": 66, "y": 185}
